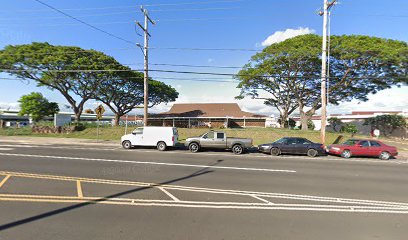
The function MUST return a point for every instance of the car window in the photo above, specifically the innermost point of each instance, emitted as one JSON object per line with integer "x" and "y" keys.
{"x": 220, "y": 135}
{"x": 364, "y": 143}
{"x": 375, "y": 144}
{"x": 291, "y": 141}
{"x": 281, "y": 141}
{"x": 350, "y": 142}
{"x": 209, "y": 135}
{"x": 138, "y": 131}
{"x": 301, "y": 141}
{"x": 175, "y": 132}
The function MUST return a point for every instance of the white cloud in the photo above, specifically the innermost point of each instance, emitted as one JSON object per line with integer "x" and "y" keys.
{"x": 210, "y": 60}
{"x": 280, "y": 36}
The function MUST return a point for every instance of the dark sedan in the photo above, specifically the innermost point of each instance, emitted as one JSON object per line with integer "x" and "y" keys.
{"x": 293, "y": 145}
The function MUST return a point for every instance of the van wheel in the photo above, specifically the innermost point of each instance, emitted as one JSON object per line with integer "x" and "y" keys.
{"x": 193, "y": 147}
{"x": 312, "y": 152}
{"x": 346, "y": 154}
{"x": 385, "y": 156}
{"x": 161, "y": 146}
{"x": 275, "y": 151}
{"x": 237, "y": 149}
{"x": 126, "y": 144}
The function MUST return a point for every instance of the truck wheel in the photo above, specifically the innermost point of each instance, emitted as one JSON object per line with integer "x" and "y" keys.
{"x": 126, "y": 144}
{"x": 385, "y": 156}
{"x": 346, "y": 154}
{"x": 275, "y": 151}
{"x": 194, "y": 147}
{"x": 237, "y": 149}
{"x": 312, "y": 152}
{"x": 161, "y": 146}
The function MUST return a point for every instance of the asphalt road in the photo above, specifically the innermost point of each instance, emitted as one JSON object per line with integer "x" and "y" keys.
{"x": 55, "y": 191}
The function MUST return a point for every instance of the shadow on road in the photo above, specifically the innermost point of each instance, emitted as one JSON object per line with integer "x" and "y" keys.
{"x": 76, "y": 206}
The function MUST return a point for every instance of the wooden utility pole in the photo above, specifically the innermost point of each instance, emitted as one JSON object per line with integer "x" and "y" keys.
{"x": 326, "y": 6}
{"x": 145, "y": 29}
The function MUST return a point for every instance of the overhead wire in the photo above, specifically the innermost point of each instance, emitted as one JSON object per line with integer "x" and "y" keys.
{"x": 85, "y": 23}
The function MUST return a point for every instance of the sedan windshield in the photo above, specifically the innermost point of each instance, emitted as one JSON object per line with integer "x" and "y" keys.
{"x": 350, "y": 142}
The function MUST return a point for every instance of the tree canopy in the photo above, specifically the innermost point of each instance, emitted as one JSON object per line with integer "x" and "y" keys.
{"x": 287, "y": 74}
{"x": 122, "y": 95}
{"x": 49, "y": 66}
{"x": 37, "y": 106}
{"x": 386, "y": 123}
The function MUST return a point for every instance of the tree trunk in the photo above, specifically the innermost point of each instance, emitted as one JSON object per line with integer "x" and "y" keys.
{"x": 117, "y": 119}
{"x": 284, "y": 119}
{"x": 303, "y": 118}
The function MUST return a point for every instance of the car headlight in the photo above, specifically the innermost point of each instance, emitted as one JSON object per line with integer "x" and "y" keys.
{"x": 335, "y": 148}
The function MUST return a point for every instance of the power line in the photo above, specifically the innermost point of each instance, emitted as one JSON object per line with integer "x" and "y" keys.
{"x": 194, "y": 9}
{"x": 133, "y": 6}
{"x": 152, "y": 48}
{"x": 85, "y": 23}
{"x": 154, "y": 78}
{"x": 184, "y": 72}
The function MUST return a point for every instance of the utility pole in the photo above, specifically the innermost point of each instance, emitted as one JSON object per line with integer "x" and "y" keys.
{"x": 145, "y": 29}
{"x": 326, "y": 7}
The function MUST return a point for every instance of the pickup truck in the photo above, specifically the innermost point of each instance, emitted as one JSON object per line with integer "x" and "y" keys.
{"x": 218, "y": 140}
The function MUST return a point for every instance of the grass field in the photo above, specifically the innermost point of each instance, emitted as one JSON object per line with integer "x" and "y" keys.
{"x": 259, "y": 135}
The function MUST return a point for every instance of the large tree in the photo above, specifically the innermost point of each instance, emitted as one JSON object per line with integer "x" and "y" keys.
{"x": 123, "y": 94}
{"x": 37, "y": 106}
{"x": 50, "y": 66}
{"x": 359, "y": 65}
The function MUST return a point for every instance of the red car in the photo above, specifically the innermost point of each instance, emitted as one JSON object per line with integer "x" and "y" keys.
{"x": 368, "y": 148}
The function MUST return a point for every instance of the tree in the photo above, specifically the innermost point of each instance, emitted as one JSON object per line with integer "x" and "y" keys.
{"x": 359, "y": 65}
{"x": 51, "y": 66}
{"x": 37, "y": 106}
{"x": 349, "y": 128}
{"x": 334, "y": 123}
{"x": 122, "y": 95}
{"x": 310, "y": 125}
{"x": 386, "y": 123}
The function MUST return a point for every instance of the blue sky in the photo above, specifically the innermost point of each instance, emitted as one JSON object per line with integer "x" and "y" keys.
{"x": 200, "y": 24}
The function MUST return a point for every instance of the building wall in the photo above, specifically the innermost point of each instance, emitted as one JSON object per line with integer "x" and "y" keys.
{"x": 207, "y": 123}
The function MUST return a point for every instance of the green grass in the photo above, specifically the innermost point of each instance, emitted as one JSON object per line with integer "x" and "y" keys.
{"x": 259, "y": 135}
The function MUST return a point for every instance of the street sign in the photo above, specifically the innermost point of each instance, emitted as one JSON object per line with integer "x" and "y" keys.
{"x": 99, "y": 111}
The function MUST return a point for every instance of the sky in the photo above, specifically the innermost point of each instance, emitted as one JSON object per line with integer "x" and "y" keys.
{"x": 213, "y": 24}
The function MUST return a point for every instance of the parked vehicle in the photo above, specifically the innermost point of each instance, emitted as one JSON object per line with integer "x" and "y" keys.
{"x": 367, "y": 148}
{"x": 218, "y": 140}
{"x": 161, "y": 137}
{"x": 293, "y": 145}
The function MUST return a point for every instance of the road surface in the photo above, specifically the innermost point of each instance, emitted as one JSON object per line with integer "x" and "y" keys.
{"x": 59, "y": 191}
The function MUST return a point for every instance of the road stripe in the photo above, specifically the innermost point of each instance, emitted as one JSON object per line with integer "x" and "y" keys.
{"x": 151, "y": 163}
{"x": 261, "y": 199}
{"x": 169, "y": 194}
{"x": 218, "y": 191}
{"x": 254, "y": 155}
{"x": 79, "y": 189}
{"x": 350, "y": 209}
{"x": 4, "y": 180}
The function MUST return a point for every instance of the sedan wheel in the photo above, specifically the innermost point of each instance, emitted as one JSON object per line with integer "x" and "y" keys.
{"x": 346, "y": 154}
{"x": 237, "y": 149}
{"x": 161, "y": 146}
{"x": 193, "y": 147}
{"x": 126, "y": 144}
{"x": 275, "y": 152}
{"x": 385, "y": 156}
{"x": 312, "y": 153}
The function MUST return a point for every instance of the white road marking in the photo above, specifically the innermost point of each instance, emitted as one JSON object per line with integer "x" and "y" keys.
{"x": 169, "y": 194}
{"x": 151, "y": 163}
{"x": 261, "y": 199}
{"x": 336, "y": 200}
{"x": 254, "y": 155}
{"x": 289, "y": 207}
{"x": 6, "y": 149}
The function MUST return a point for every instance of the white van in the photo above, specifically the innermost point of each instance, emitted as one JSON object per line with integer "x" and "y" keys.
{"x": 161, "y": 137}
